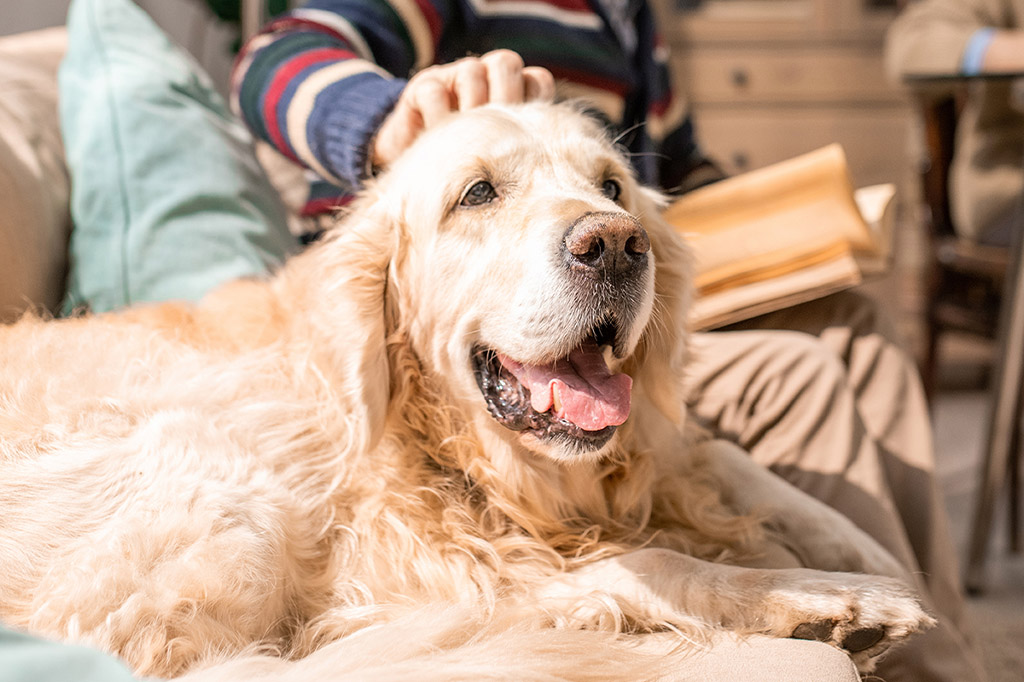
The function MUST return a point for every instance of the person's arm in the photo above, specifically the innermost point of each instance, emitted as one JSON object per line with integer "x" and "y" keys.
{"x": 935, "y": 36}
{"x": 1002, "y": 52}
{"x": 677, "y": 162}
{"x": 326, "y": 85}
{"x": 318, "y": 81}
{"x": 683, "y": 164}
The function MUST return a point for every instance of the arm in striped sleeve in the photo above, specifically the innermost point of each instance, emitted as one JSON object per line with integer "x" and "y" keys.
{"x": 318, "y": 81}
{"x": 681, "y": 164}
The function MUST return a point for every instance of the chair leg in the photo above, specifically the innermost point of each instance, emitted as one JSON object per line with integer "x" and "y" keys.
{"x": 930, "y": 361}
{"x": 1003, "y": 442}
{"x": 1014, "y": 483}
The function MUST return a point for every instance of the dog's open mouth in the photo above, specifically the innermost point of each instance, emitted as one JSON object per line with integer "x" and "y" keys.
{"x": 576, "y": 399}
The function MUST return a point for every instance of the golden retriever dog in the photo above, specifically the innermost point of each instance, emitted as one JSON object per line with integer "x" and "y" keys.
{"x": 453, "y": 429}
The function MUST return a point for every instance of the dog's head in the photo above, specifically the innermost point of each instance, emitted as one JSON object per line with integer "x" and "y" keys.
{"x": 533, "y": 277}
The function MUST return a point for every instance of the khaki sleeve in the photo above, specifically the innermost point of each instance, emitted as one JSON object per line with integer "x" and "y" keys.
{"x": 930, "y": 35}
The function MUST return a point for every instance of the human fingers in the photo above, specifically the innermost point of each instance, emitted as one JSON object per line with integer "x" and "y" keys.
{"x": 431, "y": 97}
{"x": 428, "y": 98}
{"x": 396, "y": 133}
{"x": 470, "y": 83}
{"x": 435, "y": 92}
{"x": 538, "y": 84}
{"x": 423, "y": 102}
{"x": 504, "y": 76}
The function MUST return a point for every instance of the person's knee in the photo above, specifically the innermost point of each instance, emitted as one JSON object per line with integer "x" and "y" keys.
{"x": 861, "y": 315}
{"x": 752, "y": 383}
{"x": 801, "y": 364}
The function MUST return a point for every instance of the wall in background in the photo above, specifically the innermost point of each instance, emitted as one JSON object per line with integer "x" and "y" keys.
{"x": 188, "y": 22}
{"x": 191, "y": 24}
{"x": 25, "y": 15}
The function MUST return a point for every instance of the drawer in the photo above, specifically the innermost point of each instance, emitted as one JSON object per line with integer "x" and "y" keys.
{"x": 784, "y": 74}
{"x": 745, "y": 21}
{"x": 878, "y": 140}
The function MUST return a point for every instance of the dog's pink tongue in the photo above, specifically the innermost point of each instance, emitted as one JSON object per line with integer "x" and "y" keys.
{"x": 580, "y": 388}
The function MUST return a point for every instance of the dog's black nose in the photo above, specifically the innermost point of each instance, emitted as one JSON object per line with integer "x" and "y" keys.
{"x": 604, "y": 244}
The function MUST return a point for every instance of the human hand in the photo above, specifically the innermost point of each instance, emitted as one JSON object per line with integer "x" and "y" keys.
{"x": 436, "y": 91}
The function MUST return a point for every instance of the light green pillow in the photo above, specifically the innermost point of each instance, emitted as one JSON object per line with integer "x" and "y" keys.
{"x": 30, "y": 659}
{"x": 167, "y": 199}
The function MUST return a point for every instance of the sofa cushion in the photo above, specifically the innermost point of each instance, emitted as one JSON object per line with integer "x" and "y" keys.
{"x": 167, "y": 198}
{"x": 33, "y": 179}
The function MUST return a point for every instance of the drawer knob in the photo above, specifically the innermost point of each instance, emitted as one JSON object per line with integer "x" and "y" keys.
{"x": 740, "y": 78}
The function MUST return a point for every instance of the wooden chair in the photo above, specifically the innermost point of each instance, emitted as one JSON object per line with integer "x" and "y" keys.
{"x": 965, "y": 279}
{"x": 970, "y": 285}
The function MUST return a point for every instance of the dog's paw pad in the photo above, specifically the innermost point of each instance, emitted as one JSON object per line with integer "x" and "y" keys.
{"x": 855, "y": 641}
{"x": 863, "y": 615}
{"x": 820, "y": 631}
{"x": 863, "y": 639}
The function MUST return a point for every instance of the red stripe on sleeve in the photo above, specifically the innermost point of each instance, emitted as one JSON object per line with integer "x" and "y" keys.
{"x": 432, "y": 18}
{"x": 619, "y": 88}
{"x": 282, "y": 78}
{"x": 570, "y": 5}
{"x": 661, "y": 106}
{"x": 317, "y": 207}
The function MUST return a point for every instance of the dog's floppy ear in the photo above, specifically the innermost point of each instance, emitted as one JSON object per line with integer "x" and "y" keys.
{"x": 340, "y": 287}
{"x": 661, "y": 357}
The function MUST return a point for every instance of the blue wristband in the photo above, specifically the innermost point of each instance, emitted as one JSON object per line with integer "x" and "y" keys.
{"x": 974, "y": 52}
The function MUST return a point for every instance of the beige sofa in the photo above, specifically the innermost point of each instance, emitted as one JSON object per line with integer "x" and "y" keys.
{"x": 34, "y": 186}
{"x": 35, "y": 221}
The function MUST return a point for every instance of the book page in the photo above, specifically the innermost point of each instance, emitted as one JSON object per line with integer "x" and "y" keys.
{"x": 876, "y": 204}
{"x": 734, "y": 305}
{"x": 759, "y": 221}
{"x": 782, "y": 235}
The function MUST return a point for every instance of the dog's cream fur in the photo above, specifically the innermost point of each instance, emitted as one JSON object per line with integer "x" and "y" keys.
{"x": 267, "y": 474}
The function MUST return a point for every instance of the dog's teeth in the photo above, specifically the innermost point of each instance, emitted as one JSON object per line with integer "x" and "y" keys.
{"x": 608, "y": 352}
{"x": 556, "y": 399}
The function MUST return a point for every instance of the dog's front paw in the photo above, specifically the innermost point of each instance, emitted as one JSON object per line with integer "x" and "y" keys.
{"x": 863, "y": 615}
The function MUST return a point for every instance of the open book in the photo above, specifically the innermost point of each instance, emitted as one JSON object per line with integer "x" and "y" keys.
{"x": 782, "y": 235}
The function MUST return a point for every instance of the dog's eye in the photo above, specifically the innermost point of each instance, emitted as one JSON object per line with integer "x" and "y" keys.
{"x": 479, "y": 194}
{"x": 611, "y": 189}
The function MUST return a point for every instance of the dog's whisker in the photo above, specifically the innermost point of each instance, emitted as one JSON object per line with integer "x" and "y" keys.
{"x": 622, "y": 134}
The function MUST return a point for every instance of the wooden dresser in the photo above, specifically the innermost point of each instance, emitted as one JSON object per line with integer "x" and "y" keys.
{"x": 770, "y": 79}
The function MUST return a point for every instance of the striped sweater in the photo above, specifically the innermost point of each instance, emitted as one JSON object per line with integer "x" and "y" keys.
{"x": 318, "y": 81}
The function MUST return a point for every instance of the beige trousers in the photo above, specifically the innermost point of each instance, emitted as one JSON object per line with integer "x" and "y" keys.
{"x": 837, "y": 409}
